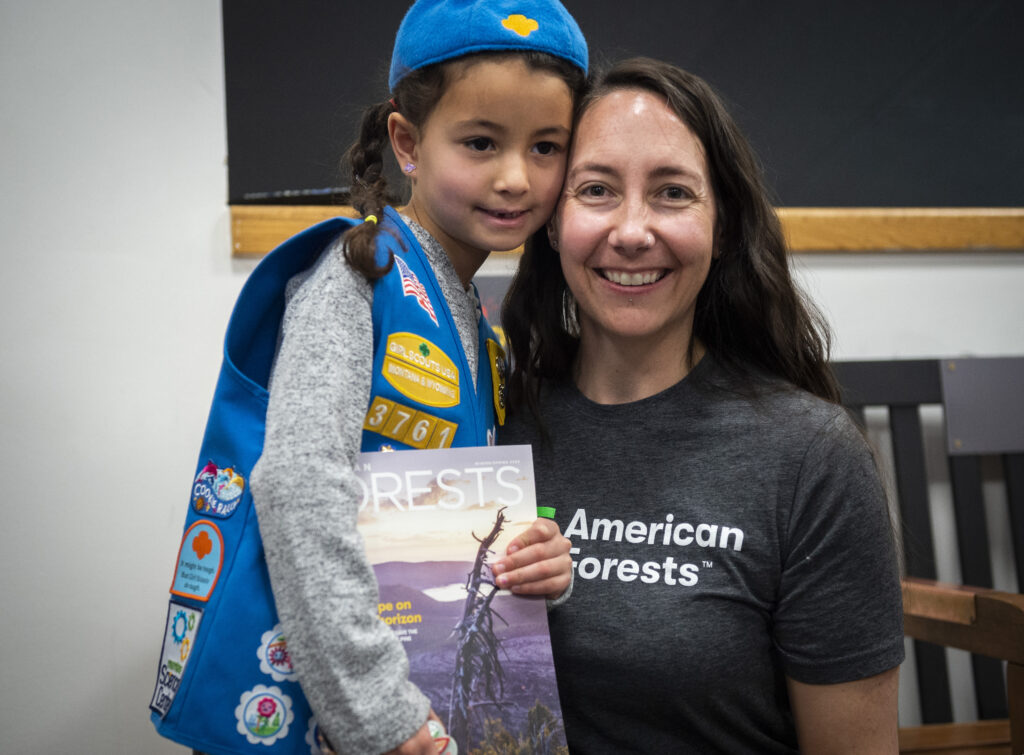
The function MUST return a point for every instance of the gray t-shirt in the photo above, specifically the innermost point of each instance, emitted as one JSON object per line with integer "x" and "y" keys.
{"x": 721, "y": 543}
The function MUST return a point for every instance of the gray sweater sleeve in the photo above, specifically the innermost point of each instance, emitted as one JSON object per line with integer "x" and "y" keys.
{"x": 352, "y": 668}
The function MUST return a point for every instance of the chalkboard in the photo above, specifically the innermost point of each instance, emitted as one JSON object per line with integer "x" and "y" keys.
{"x": 868, "y": 104}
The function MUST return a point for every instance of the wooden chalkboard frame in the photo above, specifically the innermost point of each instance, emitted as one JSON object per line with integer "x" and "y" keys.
{"x": 256, "y": 229}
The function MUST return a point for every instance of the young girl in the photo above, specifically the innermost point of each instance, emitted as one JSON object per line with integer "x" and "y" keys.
{"x": 363, "y": 336}
{"x": 479, "y": 120}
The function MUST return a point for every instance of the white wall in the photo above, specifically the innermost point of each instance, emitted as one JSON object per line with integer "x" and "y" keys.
{"x": 919, "y": 305}
{"x": 116, "y": 287}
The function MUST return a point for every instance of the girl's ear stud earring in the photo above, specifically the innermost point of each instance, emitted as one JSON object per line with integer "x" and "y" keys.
{"x": 409, "y": 167}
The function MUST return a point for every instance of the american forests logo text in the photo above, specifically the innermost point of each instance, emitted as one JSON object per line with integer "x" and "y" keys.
{"x": 669, "y": 534}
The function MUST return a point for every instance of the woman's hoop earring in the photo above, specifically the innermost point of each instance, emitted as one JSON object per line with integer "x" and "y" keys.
{"x": 570, "y": 313}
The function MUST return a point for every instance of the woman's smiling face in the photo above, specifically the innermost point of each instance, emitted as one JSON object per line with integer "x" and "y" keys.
{"x": 635, "y": 228}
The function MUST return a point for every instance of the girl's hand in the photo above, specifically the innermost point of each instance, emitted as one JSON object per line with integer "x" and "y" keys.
{"x": 537, "y": 562}
{"x": 420, "y": 743}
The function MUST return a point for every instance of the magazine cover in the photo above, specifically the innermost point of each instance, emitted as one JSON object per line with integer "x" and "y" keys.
{"x": 433, "y": 521}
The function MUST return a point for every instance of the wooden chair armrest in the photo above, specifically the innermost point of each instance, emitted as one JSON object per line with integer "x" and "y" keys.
{"x": 952, "y": 739}
{"x": 987, "y": 622}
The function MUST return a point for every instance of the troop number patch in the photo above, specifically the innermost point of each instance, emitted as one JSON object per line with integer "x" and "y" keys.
{"x": 407, "y": 425}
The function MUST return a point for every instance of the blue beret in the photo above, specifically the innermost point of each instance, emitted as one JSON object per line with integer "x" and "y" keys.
{"x": 437, "y": 30}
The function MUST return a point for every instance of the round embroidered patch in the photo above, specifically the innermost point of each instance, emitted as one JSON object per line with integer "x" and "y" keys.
{"x": 217, "y": 492}
{"x": 264, "y": 714}
{"x": 273, "y": 655}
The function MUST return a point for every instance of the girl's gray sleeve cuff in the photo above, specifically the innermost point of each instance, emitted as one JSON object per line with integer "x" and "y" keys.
{"x": 565, "y": 595}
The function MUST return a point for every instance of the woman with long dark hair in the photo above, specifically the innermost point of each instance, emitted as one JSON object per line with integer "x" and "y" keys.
{"x": 736, "y": 581}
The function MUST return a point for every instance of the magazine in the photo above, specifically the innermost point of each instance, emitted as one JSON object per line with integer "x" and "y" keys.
{"x": 433, "y": 521}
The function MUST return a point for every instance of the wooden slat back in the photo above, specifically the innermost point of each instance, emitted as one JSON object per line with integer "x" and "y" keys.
{"x": 984, "y": 408}
{"x": 1013, "y": 468}
{"x": 903, "y": 387}
{"x": 976, "y": 569}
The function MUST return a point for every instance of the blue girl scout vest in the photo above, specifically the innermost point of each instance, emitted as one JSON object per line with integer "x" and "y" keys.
{"x": 225, "y": 683}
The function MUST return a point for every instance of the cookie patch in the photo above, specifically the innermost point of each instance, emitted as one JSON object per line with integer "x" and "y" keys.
{"x": 217, "y": 492}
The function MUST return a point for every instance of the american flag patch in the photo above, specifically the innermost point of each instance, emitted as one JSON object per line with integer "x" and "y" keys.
{"x": 411, "y": 286}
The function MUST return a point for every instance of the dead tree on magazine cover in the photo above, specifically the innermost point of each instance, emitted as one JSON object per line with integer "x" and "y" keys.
{"x": 478, "y": 677}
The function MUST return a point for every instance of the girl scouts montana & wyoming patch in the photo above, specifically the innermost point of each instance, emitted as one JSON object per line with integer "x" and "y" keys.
{"x": 418, "y": 369}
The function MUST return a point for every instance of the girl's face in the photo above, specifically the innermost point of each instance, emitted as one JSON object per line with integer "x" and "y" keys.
{"x": 490, "y": 158}
{"x": 635, "y": 230}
